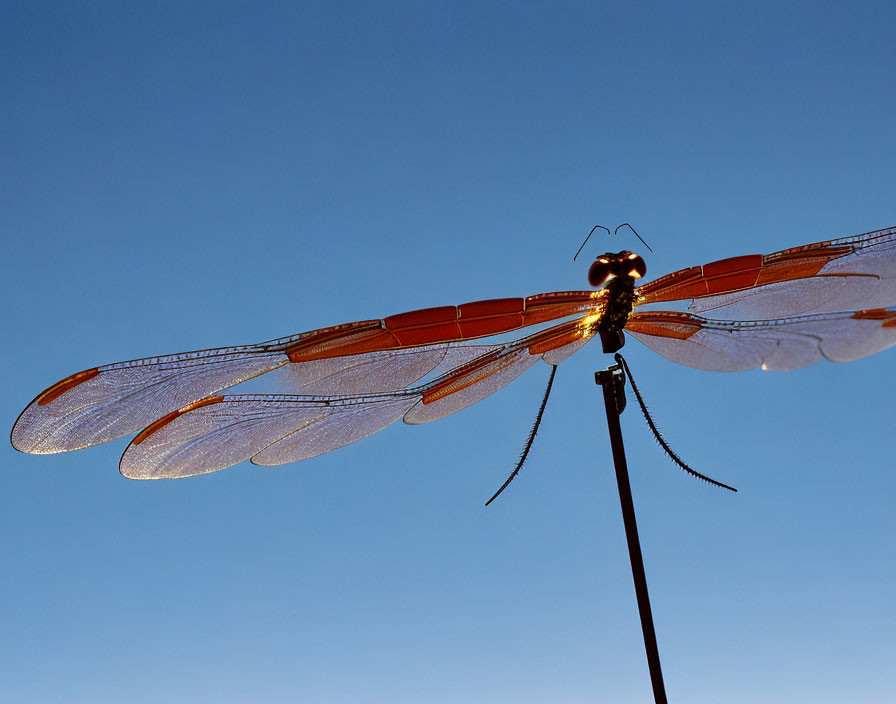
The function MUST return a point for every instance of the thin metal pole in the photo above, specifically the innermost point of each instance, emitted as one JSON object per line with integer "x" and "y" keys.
{"x": 614, "y": 399}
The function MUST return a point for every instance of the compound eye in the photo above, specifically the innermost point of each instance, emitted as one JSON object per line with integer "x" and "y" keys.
{"x": 635, "y": 266}
{"x": 599, "y": 272}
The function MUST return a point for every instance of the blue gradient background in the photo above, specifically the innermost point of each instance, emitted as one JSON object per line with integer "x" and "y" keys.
{"x": 184, "y": 176}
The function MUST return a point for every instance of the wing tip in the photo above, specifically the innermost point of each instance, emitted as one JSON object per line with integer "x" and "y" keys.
{"x": 21, "y": 436}
{"x": 132, "y": 466}
{"x": 130, "y": 475}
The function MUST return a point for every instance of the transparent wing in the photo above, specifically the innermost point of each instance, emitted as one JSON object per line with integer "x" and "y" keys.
{"x": 106, "y": 402}
{"x": 471, "y": 381}
{"x": 373, "y": 372}
{"x": 783, "y": 344}
{"x": 847, "y": 274}
{"x": 346, "y": 424}
{"x": 372, "y": 356}
{"x": 470, "y": 385}
{"x": 224, "y": 430}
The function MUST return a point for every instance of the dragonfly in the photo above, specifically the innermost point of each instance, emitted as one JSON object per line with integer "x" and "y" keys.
{"x": 833, "y": 300}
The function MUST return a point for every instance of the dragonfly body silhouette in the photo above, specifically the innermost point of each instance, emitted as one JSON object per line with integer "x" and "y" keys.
{"x": 830, "y": 300}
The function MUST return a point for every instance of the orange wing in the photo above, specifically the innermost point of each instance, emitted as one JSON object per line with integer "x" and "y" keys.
{"x": 375, "y": 356}
{"x": 847, "y": 274}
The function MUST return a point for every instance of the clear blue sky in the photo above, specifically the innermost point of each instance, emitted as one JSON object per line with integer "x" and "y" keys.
{"x": 193, "y": 175}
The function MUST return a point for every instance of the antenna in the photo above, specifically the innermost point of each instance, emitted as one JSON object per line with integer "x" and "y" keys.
{"x": 625, "y": 224}
{"x": 589, "y": 237}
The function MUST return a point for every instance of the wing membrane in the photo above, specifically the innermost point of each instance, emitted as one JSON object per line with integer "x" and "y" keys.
{"x": 373, "y": 372}
{"x": 231, "y": 429}
{"x": 461, "y": 390}
{"x": 345, "y": 424}
{"x": 472, "y": 382}
{"x": 847, "y": 274}
{"x": 224, "y": 430}
{"x": 782, "y": 344}
{"x": 372, "y": 356}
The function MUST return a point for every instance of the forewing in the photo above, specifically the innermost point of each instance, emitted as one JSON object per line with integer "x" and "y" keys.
{"x": 847, "y": 274}
{"x": 782, "y": 344}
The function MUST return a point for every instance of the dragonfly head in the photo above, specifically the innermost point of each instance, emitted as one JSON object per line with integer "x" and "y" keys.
{"x": 608, "y": 266}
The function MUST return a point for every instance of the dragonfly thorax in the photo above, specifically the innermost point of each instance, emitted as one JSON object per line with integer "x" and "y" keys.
{"x": 617, "y": 273}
